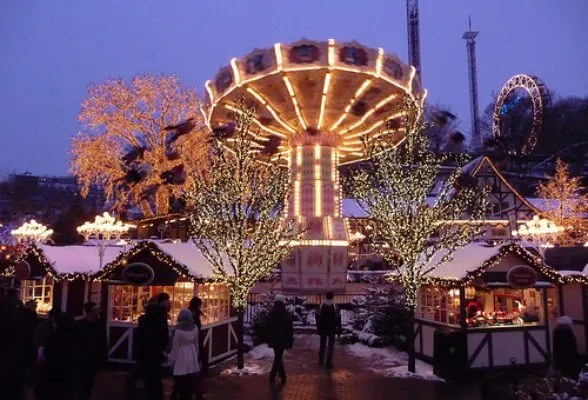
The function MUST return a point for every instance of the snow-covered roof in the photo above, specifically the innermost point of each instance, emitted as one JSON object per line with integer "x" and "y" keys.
{"x": 187, "y": 254}
{"x": 465, "y": 260}
{"x": 77, "y": 259}
{"x": 352, "y": 209}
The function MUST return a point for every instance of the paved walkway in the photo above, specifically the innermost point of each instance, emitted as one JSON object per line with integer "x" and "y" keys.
{"x": 352, "y": 378}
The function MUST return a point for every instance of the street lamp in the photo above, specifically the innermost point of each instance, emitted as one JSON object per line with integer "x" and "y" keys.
{"x": 102, "y": 231}
{"x": 538, "y": 232}
{"x": 31, "y": 232}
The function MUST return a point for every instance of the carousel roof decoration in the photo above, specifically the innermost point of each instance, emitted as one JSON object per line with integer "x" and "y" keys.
{"x": 167, "y": 254}
{"x": 346, "y": 89}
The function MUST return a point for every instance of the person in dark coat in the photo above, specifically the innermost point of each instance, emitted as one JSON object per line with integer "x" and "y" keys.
{"x": 328, "y": 323}
{"x": 30, "y": 323}
{"x": 91, "y": 349}
{"x": 138, "y": 370}
{"x": 56, "y": 359}
{"x": 280, "y": 336}
{"x": 155, "y": 337}
{"x": 565, "y": 354}
{"x": 12, "y": 347}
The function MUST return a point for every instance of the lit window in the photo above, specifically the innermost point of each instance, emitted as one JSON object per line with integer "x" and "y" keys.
{"x": 39, "y": 290}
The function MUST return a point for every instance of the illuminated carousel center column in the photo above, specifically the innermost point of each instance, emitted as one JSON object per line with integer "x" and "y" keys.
{"x": 318, "y": 262}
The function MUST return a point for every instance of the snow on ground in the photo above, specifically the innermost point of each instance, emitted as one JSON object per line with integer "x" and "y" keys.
{"x": 258, "y": 361}
{"x": 390, "y": 362}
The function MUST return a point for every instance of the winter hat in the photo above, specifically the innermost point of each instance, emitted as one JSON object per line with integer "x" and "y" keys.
{"x": 564, "y": 320}
{"x": 184, "y": 315}
{"x": 280, "y": 298}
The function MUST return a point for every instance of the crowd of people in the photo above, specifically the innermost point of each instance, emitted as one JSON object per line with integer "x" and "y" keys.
{"x": 59, "y": 357}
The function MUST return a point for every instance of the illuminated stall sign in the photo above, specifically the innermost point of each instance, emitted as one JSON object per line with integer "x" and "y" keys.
{"x": 22, "y": 270}
{"x": 139, "y": 274}
{"x": 521, "y": 277}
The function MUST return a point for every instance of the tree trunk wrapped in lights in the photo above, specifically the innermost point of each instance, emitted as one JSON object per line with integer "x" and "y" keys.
{"x": 566, "y": 205}
{"x": 139, "y": 141}
{"x": 413, "y": 208}
{"x": 235, "y": 212}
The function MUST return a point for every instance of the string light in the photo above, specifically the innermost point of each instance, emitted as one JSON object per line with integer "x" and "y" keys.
{"x": 236, "y": 219}
{"x": 148, "y": 247}
{"x": 32, "y": 232}
{"x": 102, "y": 232}
{"x": 393, "y": 192}
{"x": 538, "y": 232}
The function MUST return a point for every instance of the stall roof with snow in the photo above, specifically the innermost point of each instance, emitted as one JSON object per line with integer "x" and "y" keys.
{"x": 170, "y": 262}
{"x": 64, "y": 262}
{"x": 479, "y": 262}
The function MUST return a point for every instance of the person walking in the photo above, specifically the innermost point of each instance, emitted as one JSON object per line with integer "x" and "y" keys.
{"x": 138, "y": 370}
{"x": 184, "y": 355}
{"x": 280, "y": 334}
{"x": 565, "y": 353}
{"x": 196, "y": 309}
{"x": 328, "y": 323}
{"x": 91, "y": 349}
{"x": 155, "y": 337}
{"x": 56, "y": 359}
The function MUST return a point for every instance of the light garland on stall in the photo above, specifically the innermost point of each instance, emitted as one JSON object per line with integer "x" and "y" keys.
{"x": 235, "y": 217}
{"x": 35, "y": 255}
{"x": 160, "y": 256}
{"x": 472, "y": 276}
{"x": 393, "y": 192}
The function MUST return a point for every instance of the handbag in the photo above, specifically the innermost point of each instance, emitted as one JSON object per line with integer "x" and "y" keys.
{"x": 201, "y": 384}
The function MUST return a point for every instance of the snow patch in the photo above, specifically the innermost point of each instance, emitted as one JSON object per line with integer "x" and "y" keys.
{"x": 260, "y": 352}
{"x": 391, "y": 362}
{"x": 251, "y": 369}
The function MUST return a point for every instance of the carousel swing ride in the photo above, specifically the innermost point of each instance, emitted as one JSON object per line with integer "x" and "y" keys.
{"x": 315, "y": 101}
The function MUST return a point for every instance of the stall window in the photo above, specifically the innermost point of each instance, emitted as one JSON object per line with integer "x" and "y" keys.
{"x": 506, "y": 307}
{"x": 439, "y": 304}
{"x": 128, "y": 302}
{"x": 39, "y": 290}
{"x": 215, "y": 302}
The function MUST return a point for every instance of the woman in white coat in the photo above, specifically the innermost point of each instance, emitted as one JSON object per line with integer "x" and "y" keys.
{"x": 184, "y": 355}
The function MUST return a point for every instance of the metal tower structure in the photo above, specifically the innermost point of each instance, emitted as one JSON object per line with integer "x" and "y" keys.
{"x": 470, "y": 37}
{"x": 414, "y": 39}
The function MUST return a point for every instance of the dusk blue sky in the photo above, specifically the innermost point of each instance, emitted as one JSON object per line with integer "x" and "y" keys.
{"x": 50, "y": 51}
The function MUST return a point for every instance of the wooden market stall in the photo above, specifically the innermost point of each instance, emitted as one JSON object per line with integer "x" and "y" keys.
{"x": 178, "y": 269}
{"x": 488, "y": 307}
{"x": 58, "y": 276}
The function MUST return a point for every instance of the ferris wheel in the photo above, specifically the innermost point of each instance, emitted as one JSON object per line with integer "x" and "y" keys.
{"x": 515, "y": 89}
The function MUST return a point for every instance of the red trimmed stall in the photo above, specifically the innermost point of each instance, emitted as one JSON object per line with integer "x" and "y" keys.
{"x": 179, "y": 269}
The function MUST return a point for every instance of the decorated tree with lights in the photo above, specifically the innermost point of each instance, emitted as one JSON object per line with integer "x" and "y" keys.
{"x": 141, "y": 141}
{"x": 565, "y": 204}
{"x": 417, "y": 214}
{"x": 235, "y": 212}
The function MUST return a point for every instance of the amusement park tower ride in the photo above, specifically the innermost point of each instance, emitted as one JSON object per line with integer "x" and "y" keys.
{"x": 470, "y": 37}
{"x": 315, "y": 101}
{"x": 414, "y": 37}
